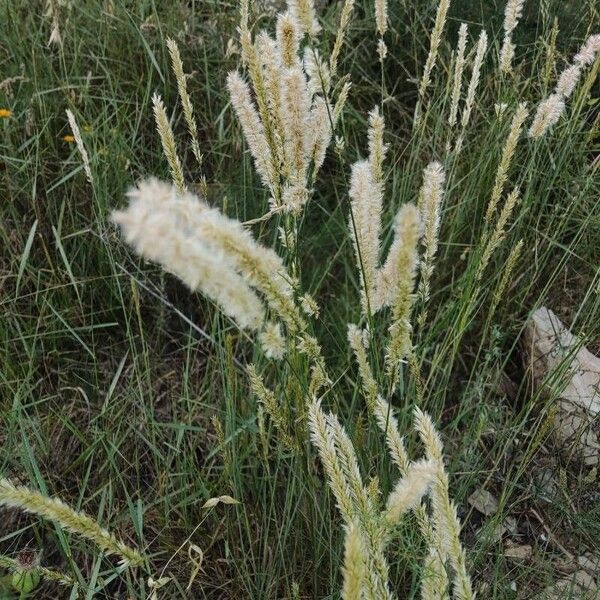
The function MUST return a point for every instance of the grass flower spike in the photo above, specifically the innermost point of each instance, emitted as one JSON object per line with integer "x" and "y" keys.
{"x": 377, "y": 148}
{"x": 285, "y": 112}
{"x": 58, "y": 512}
{"x": 589, "y": 51}
{"x": 82, "y": 151}
{"x": 397, "y": 283}
{"x": 430, "y": 201}
{"x": 381, "y": 16}
{"x": 482, "y": 43}
{"x": 345, "y": 15}
{"x": 354, "y": 565}
{"x": 210, "y": 252}
{"x": 304, "y": 15}
{"x": 253, "y": 130}
{"x": 469, "y": 104}
{"x": 186, "y": 102}
{"x": 20, "y": 570}
{"x": 507, "y": 155}
{"x": 167, "y": 139}
{"x": 547, "y": 114}
{"x": 366, "y": 201}
{"x": 287, "y": 40}
{"x": 272, "y": 341}
{"x": 551, "y": 109}
{"x": 445, "y": 519}
{"x": 410, "y": 490}
{"x": 459, "y": 66}
{"x": 434, "y": 44}
{"x": 512, "y": 14}
{"x": 159, "y": 225}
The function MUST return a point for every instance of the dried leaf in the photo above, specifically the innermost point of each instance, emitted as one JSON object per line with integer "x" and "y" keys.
{"x": 211, "y": 502}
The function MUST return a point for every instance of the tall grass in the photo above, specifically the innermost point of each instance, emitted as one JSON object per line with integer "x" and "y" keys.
{"x": 438, "y": 243}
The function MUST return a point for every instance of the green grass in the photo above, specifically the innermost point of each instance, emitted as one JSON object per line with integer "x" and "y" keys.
{"x": 126, "y": 395}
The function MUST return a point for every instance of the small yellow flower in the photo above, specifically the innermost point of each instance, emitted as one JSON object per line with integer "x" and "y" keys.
{"x": 68, "y": 138}
{"x": 5, "y": 113}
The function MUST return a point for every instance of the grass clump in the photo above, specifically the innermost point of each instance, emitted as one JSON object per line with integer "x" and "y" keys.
{"x": 375, "y": 251}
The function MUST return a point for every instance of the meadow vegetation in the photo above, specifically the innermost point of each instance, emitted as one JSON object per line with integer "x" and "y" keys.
{"x": 365, "y": 202}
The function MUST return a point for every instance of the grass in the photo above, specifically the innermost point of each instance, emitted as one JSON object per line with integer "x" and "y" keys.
{"x": 126, "y": 395}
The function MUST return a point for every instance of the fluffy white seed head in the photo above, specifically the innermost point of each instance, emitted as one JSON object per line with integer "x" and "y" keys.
{"x": 304, "y": 15}
{"x": 216, "y": 239}
{"x": 319, "y": 76}
{"x": 588, "y": 52}
{"x": 309, "y": 305}
{"x": 354, "y": 564}
{"x": 396, "y": 286}
{"x": 293, "y": 198}
{"x": 430, "y": 201}
{"x": 547, "y": 114}
{"x": 431, "y": 198}
{"x": 377, "y": 149}
{"x": 159, "y": 224}
{"x": 381, "y": 16}
{"x": 507, "y": 54}
{"x": 409, "y": 491}
{"x": 568, "y": 80}
{"x": 512, "y": 14}
{"x": 252, "y": 127}
{"x": 366, "y": 202}
{"x": 296, "y": 114}
{"x": 272, "y": 341}
{"x": 396, "y": 276}
{"x": 319, "y": 131}
{"x": 287, "y": 40}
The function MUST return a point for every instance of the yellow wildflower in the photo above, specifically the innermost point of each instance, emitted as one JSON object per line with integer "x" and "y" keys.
{"x": 5, "y": 113}
{"x": 68, "y": 138}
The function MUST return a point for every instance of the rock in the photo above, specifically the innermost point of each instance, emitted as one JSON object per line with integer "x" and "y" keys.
{"x": 548, "y": 484}
{"x": 484, "y": 502}
{"x": 585, "y": 581}
{"x": 524, "y": 552}
{"x": 511, "y": 525}
{"x": 567, "y": 589}
{"x": 589, "y": 563}
{"x": 567, "y": 371}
